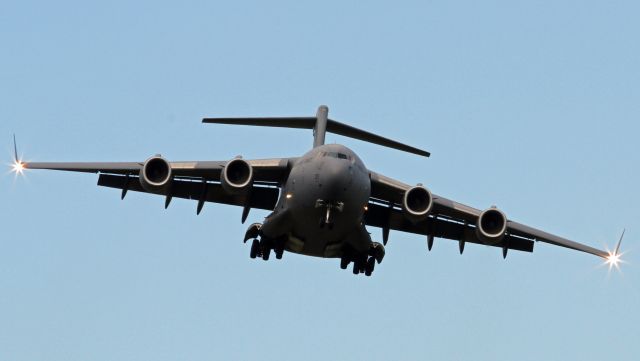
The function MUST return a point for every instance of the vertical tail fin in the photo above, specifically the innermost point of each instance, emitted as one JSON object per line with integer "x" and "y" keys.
{"x": 320, "y": 128}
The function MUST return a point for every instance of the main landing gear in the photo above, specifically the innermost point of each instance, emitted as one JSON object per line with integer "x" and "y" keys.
{"x": 262, "y": 246}
{"x": 363, "y": 262}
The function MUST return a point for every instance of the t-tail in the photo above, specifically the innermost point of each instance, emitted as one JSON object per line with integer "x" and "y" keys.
{"x": 321, "y": 124}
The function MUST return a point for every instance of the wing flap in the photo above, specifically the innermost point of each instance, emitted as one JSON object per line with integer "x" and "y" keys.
{"x": 392, "y": 218}
{"x": 259, "y": 197}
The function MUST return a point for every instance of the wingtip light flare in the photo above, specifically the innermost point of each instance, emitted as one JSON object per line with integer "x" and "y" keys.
{"x": 17, "y": 166}
{"x": 614, "y": 259}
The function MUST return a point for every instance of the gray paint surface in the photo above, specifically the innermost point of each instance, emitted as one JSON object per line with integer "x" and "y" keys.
{"x": 322, "y": 201}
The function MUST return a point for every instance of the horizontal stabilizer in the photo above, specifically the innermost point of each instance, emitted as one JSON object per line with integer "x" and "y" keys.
{"x": 310, "y": 122}
{"x": 278, "y": 122}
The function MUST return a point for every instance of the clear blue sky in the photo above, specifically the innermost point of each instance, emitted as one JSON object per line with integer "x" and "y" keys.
{"x": 532, "y": 106}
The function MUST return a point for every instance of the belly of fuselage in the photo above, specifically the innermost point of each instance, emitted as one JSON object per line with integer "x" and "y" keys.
{"x": 326, "y": 200}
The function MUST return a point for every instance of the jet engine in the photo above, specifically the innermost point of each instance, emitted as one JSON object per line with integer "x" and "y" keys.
{"x": 156, "y": 174}
{"x": 237, "y": 176}
{"x": 417, "y": 203}
{"x": 491, "y": 226}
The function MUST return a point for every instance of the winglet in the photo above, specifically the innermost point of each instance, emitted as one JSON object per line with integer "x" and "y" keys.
{"x": 18, "y": 166}
{"x": 613, "y": 259}
{"x": 15, "y": 149}
{"x": 617, "y": 251}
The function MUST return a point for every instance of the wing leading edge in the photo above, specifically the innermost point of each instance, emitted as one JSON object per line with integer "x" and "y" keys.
{"x": 197, "y": 180}
{"x": 267, "y": 170}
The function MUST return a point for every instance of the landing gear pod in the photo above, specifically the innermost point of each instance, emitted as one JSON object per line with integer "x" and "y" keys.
{"x": 237, "y": 176}
{"x": 417, "y": 203}
{"x": 156, "y": 175}
{"x": 491, "y": 226}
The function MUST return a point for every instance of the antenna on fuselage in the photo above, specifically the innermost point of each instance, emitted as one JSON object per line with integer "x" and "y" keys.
{"x": 321, "y": 124}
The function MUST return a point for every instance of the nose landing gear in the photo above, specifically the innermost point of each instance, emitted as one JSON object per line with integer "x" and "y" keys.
{"x": 261, "y": 246}
{"x": 329, "y": 207}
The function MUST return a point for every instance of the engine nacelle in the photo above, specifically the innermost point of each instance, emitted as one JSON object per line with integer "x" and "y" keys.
{"x": 491, "y": 226}
{"x": 417, "y": 203}
{"x": 237, "y": 176}
{"x": 156, "y": 174}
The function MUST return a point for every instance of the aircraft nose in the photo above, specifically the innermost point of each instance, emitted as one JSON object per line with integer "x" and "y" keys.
{"x": 337, "y": 178}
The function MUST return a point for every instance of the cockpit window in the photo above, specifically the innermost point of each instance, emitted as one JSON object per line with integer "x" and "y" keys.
{"x": 336, "y": 155}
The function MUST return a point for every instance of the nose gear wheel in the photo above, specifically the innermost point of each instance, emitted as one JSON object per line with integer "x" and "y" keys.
{"x": 329, "y": 208}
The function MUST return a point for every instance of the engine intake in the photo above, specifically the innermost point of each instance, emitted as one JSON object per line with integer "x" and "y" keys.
{"x": 237, "y": 176}
{"x": 491, "y": 226}
{"x": 417, "y": 203}
{"x": 155, "y": 174}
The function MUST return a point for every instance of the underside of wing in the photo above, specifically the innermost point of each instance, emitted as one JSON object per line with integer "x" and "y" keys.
{"x": 259, "y": 197}
{"x": 386, "y": 217}
{"x": 538, "y": 235}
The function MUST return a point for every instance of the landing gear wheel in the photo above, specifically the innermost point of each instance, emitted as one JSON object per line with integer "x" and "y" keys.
{"x": 344, "y": 262}
{"x": 356, "y": 267}
{"x": 265, "y": 253}
{"x": 255, "y": 245}
{"x": 279, "y": 254}
{"x": 363, "y": 264}
{"x": 371, "y": 264}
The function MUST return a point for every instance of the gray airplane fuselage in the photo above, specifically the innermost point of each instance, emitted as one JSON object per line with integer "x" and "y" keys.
{"x": 322, "y": 204}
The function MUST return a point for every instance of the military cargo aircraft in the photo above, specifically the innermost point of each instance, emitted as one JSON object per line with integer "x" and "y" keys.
{"x": 321, "y": 202}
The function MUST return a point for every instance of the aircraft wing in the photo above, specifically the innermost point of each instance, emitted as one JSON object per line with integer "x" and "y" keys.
{"x": 266, "y": 170}
{"x": 452, "y": 220}
{"x": 198, "y": 180}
